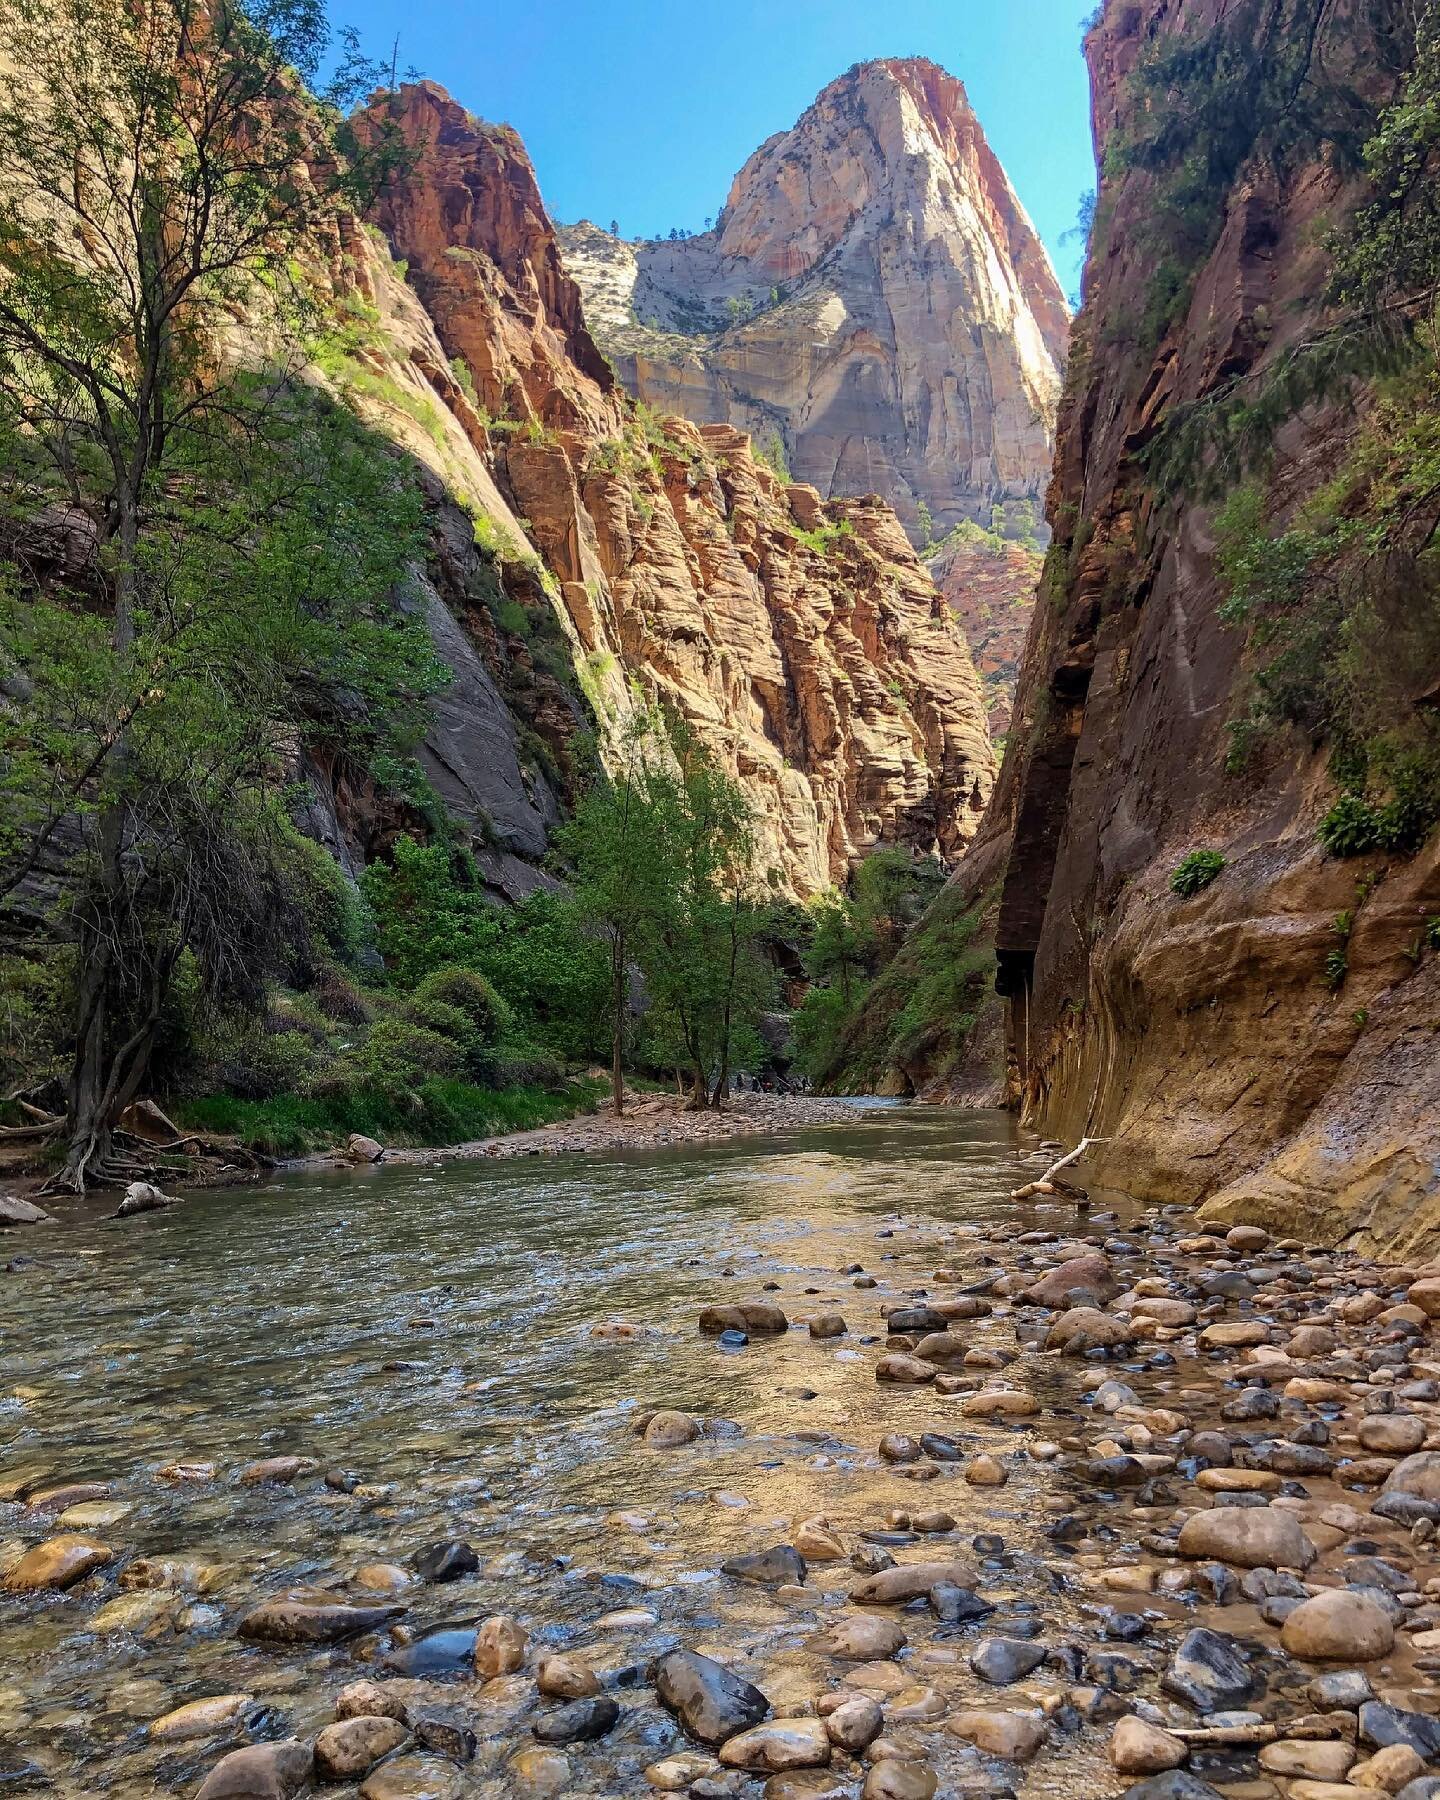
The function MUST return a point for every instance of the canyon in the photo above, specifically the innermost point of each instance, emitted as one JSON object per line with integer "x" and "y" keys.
{"x": 872, "y": 297}
{"x": 1263, "y": 1043}
{"x": 799, "y": 635}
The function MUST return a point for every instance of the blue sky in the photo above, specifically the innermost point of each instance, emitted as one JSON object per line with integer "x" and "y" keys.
{"x": 642, "y": 110}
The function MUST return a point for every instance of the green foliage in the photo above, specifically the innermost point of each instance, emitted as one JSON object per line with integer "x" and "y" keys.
{"x": 771, "y": 452}
{"x": 826, "y": 538}
{"x": 485, "y": 1016}
{"x": 440, "y": 1111}
{"x": 1195, "y": 872}
{"x": 663, "y": 852}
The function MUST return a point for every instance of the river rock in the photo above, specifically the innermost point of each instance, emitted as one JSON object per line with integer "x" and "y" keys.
{"x": 1382, "y": 1725}
{"x": 942, "y": 1348}
{"x": 781, "y": 1744}
{"x": 1256, "y": 1537}
{"x": 579, "y": 1722}
{"x": 15, "y": 1211}
{"x": 500, "y": 1646}
{"x": 1338, "y": 1626}
{"x": 417, "y": 1778}
{"x": 446, "y": 1562}
{"x": 905, "y": 1369}
{"x": 668, "y": 1430}
{"x": 915, "y": 1321}
{"x": 57, "y": 1564}
{"x": 744, "y": 1315}
{"x": 1084, "y": 1280}
{"x": 564, "y": 1676}
{"x": 276, "y": 1470}
{"x": 1083, "y": 1329}
{"x": 308, "y": 1619}
{"x": 1310, "y": 1761}
{"x": 675, "y": 1774}
{"x": 816, "y": 1542}
{"x": 349, "y": 1749}
{"x": 362, "y": 1149}
{"x": 437, "y": 1653}
{"x": 1138, "y": 1748}
{"x": 900, "y": 1778}
{"x": 1000, "y": 1403}
{"x": 986, "y": 1471}
{"x": 908, "y": 1581}
{"x": 711, "y": 1702}
{"x": 856, "y": 1638}
{"x": 1164, "y": 1311}
{"x": 1392, "y": 1434}
{"x": 1209, "y": 1673}
{"x": 202, "y": 1718}
{"x": 260, "y": 1772}
{"x": 1017, "y": 1736}
{"x": 370, "y": 1700}
{"x": 1425, "y": 1294}
{"x": 1001, "y": 1661}
{"x": 828, "y": 1325}
{"x": 855, "y": 1723}
{"x": 1178, "y": 1784}
{"x": 1395, "y": 1770}
{"x": 1418, "y": 1475}
{"x": 767, "y": 1568}
{"x": 1340, "y": 1689}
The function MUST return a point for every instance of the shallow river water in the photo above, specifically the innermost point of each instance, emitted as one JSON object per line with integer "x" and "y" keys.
{"x": 428, "y": 1335}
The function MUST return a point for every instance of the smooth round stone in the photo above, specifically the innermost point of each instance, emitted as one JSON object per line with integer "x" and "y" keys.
{"x": 1312, "y": 1761}
{"x": 1338, "y": 1626}
{"x": 781, "y": 1744}
{"x": 1016, "y": 1736}
{"x": 816, "y": 1542}
{"x": 381, "y": 1578}
{"x": 668, "y": 1430}
{"x": 500, "y": 1646}
{"x": 56, "y": 1564}
{"x": 985, "y": 1471}
{"x": 94, "y": 1515}
{"x": 1262, "y": 1537}
{"x": 1392, "y": 1434}
{"x": 855, "y": 1723}
{"x": 1138, "y": 1748}
{"x": 419, "y": 1778}
{"x": 675, "y": 1774}
{"x": 566, "y": 1677}
{"x": 202, "y": 1718}
{"x": 861, "y": 1638}
{"x": 900, "y": 1779}
{"x": 350, "y": 1748}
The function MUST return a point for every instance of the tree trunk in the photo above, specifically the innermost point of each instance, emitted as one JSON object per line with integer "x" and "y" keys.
{"x": 617, "y": 1022}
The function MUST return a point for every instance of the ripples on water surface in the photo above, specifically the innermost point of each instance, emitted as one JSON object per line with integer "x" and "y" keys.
{"x": 255, "y": 1323}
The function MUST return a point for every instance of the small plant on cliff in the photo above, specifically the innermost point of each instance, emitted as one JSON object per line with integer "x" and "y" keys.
{"x": 1196, "y": 872}
{"x": 771, "y": 452}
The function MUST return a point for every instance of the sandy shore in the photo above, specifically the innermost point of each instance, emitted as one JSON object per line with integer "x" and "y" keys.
{"x": 649, "y": 1122}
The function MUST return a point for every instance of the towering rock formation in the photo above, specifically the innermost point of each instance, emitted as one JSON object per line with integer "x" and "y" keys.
{"x": 872, "y": 292}
{"x": 1268, "y": 1041}
{"x": 610, "y": 552}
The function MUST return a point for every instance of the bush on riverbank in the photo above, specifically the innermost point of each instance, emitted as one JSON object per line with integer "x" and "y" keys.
{"x": 440, "y": 1112}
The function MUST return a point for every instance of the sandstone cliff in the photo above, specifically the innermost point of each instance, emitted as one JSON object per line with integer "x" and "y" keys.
{"x": 589, "y": 550}
{"x": 1269, "y": 1043}
{"x": 991, "y": 591}
{"x": 872, "y": 292}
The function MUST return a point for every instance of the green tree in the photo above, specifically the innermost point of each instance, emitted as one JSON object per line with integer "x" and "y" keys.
{"x": 160, "y": 167}
{"x": 618, "y": 845}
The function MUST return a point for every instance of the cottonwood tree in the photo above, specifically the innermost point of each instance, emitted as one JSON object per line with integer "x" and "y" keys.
{"x": 163, "y": 170}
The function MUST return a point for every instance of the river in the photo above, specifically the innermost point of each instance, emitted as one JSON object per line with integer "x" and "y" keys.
{"x": 427, "y": 1335}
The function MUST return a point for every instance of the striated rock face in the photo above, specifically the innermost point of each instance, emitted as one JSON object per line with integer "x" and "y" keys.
{"x": 1200, "y": 1038}
{"x": 872, "y": 291}
{"x": 992, "y": 595}
{"x": 583, "y": 550}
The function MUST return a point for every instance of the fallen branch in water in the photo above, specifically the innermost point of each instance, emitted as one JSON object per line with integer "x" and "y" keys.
{"x": 1043, "y": 1185}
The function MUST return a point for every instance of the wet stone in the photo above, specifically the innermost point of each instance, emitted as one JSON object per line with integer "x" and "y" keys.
{"x": 767, "y": 1568}
{"x": 350, "y": 1748}
{"x": 711, "y": 1702}
{"x": 415, "y": 1778}
{"x": 308, "y": 1620}
{"x": 260, "y": 1772}
{"x": 1210, "y": 1673}
{"x": 579, "y": 1722}
{"x": 446, "y": 1562}
{"x": 1001, "y": 1661}
{"x": 779, "y": 1745}
{"x": 439, "y": 1653}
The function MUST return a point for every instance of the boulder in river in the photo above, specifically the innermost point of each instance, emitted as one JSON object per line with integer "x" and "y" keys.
{"x": 908, "y": 1581}
{"x": 1418, "y": 1475}
{"x": 15, "y": 1211}
{"x": 710, "y": 1701}
{"x": 349, "y": 1749}
{"x": 1209, "y": 1672}
{"x": 1257, "y": 1537}
{"x": 56, "y": 1564}
{"x": 312, "y": 1619}
{"x": 1016, "y": 1736}
{"x": 779, "y": 1745}
{"x": 260, "y": 1772}
{"x": 1339, "y": 1625}
{"x": 767, "y": 1568}
{"x": 446, "y": 1562}
{"x": 1083, "y": 1329}
{"x": 743, "y": 1315}
{"x": 1086, "y": 1280}
{"x": 579, "y": 1722}
{"x": 500, "y": 1645}
{"x": 669, "y": 1430}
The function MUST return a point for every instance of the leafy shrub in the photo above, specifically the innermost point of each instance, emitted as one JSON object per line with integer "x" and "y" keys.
{"x": 1196, "y": 872}
{"x": 255, "y": 1063}
{"x": 472, "y": 996}
{"x": 339, "y": 998}
{"x": 398, "y": 1055}
{"x": 1352, "y": 827}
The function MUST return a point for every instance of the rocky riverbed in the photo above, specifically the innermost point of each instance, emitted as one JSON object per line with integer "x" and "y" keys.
{"x": 1036, "y": 1503}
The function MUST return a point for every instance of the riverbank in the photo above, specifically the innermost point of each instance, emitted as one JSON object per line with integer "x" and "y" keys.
{"x": 649, "y": 1122}
{"x": 462, "y": 1491}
